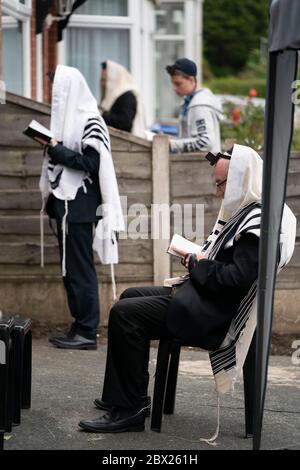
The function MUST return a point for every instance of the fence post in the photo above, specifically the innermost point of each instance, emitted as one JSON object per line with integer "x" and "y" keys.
{"x": 161, "y": 195}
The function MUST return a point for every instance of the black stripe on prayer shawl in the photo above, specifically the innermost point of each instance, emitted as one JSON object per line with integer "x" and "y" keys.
{"x": 225, "y": 358}
{"x": 244, "y": 309}
{"x": 97, "y": 121}
{"x": 206, "y": 245}
{"x": 93, "y": 127}
{"x": 255, "y": 216}
{"x": 230, "y": 229}
{"x": 221, "y": 222}
{"x": 98, "y": 137}
{"x": 96, "y": 134}
{"x": 251, "y": 227}
{"x": 54, "y": 184}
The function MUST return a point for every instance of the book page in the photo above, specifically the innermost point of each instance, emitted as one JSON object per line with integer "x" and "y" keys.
{"x": 40, "y": 129}
{"x": 182, "y": 244}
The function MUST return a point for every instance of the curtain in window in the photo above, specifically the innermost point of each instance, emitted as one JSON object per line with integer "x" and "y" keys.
{"x": 104, "y": 7}
{"x": 88, "y": 47}
{"x": 168, "y": 103}
{"x": 12, "y": 57}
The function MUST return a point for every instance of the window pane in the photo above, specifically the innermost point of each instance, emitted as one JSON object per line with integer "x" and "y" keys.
{"x": 168, "y": 103}
{"x": 103, "y": 7}
{"x": 12, "y": 57}
{"x": 88, "y": 47}
{"x": 170, "y": 18}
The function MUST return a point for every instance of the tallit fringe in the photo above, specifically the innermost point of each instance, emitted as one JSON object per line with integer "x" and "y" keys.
{"x": 113, "y": 281}
{"x": 64, "y": 222}
{"x": 212, "y": 440}
{"x": 42, "y": 232}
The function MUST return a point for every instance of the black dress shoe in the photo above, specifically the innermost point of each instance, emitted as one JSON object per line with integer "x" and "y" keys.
{"x": 70, "y": 334}
{"x": 104, "y": 405}
{"x": 76, "y": 342}
{"x": 112, "y": 422}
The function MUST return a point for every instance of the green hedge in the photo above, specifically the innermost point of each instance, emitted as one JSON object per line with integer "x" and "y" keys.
{"x": 237, "y": 86}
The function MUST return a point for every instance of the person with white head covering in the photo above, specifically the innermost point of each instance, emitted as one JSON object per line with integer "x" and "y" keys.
{"x": 78, "y": 182}
{"x": 120, "y": 99}
{"x": 212, "y": 307}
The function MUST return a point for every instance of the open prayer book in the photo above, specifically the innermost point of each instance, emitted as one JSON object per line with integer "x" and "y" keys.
{"x": 181, "y": 243}
{"x": 36, "y": 129}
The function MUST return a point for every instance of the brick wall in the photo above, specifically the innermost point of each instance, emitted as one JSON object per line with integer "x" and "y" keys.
{"x": 49, "y": 60}
{"x": 49, "y": 55}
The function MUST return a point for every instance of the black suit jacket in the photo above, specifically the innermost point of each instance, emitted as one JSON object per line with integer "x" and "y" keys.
{"x": 122, "y": 113}
{"x": 84, "y": 207}
{"x": 202, "y": 308}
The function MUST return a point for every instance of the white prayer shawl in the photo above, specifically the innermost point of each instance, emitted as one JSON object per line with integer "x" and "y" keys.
{"x": 119, "y": 81}
{"x": 72, "y": 106}
{"x": 240, "y": 212}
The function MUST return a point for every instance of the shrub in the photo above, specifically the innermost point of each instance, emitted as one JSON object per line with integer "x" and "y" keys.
{"x": 237, "y": 86}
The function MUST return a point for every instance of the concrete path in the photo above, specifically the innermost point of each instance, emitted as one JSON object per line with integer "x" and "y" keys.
{"x": 66, "y": 382}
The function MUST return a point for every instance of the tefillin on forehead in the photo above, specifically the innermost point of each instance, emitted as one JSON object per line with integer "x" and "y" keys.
{"x": 213, "y": 158}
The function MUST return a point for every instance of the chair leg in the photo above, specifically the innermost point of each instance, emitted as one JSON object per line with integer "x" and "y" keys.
{"x": 172, "y": 379}
{"x": 1, "y": 440}
{"x": 249, "y": 387}
{"x": 27, "y": 371}
{"x": 18, "y": 371}
{"x": 10, "y": 396}
{"x": 160, "y": 383}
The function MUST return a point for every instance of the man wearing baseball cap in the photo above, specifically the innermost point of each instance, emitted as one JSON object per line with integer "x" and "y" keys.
{"x": 200, "y": 114}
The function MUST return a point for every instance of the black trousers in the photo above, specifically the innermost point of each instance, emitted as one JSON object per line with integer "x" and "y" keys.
{"x": 138, "y": 317}
{"x": 81, "y": 281}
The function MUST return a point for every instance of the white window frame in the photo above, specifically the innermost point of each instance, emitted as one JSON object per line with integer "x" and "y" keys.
{"x": 140, "y": 24}
{"x": 22, "y": 12}
{"x": 130, "y": 22}
{"x": 192, "y": 37}
{"x": 193, "y": 30}
{"x": 16, "y": 9}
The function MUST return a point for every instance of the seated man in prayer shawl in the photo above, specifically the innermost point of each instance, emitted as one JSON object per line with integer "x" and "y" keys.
{"x": 201, "y": 310}
{"x": 120, "y": 101}
{"x": 77, "y": 177}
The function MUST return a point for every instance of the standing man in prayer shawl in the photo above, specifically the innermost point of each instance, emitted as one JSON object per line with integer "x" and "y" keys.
{"x": 120, "y": 100}
{"x": 212, "y": 307}
{"x": 78, "y": 179}
{"x": 200, "y": 113}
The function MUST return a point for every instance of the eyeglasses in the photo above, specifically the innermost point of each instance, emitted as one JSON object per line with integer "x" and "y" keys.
{"x": 221, "y": 183}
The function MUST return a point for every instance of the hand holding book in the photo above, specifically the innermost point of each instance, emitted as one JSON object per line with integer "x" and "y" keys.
{"x": 39, "y": 133}
{"x": 182, "y": 247}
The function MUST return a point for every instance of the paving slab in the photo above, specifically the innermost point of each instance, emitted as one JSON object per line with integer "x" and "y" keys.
{"x": 66, "y": 382}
